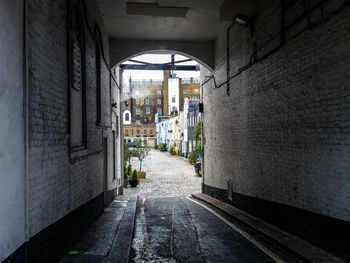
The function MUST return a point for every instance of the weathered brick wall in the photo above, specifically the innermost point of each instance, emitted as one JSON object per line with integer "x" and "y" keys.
{"x": 283, "y": 133}
{"x": 58, "y": 185}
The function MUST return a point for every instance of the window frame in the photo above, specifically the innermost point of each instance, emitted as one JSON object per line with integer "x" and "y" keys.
{"x": 77, "y": 34}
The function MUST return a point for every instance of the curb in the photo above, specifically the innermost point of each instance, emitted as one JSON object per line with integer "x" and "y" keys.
{"x": 121, "y": 246}
{"x": 299, "y": 247}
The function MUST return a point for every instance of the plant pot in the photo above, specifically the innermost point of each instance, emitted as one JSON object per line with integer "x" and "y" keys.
{"x": 142, "y": 175}
{"x": 126, "y": 182}
{"x": 133, "y": 182}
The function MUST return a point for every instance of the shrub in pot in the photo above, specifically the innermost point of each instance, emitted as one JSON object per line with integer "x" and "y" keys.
{"x": 172, "y": 150}
{"x": 129, "y": 170}
{"x": 193, "y": 156}
{"x": 126, "y": 178}
{"x": 133, "y": 181}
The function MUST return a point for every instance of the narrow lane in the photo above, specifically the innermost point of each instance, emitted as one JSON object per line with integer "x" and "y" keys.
{"x": 171, "y": 228}
{"x": 167, "y": 176}
{"x": 179, "y": 230}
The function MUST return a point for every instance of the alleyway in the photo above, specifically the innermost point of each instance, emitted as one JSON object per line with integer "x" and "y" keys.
{"x": 171, "y": 227}
{"x": 158, "y": 221}
{"x": 167, "y": 176}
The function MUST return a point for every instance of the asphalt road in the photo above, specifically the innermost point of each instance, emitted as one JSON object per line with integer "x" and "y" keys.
{"x": 180, "y": 230}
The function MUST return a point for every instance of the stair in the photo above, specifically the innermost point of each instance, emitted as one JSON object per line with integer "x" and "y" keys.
{"x": 109, "y": 238}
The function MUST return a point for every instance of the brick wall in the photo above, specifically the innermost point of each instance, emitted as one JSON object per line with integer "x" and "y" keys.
{"x": 283, "y": 133}
{"x": 58, "y": 184}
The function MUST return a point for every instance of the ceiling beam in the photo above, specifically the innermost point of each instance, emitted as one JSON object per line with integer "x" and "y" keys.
{"x": 159, "y": 67}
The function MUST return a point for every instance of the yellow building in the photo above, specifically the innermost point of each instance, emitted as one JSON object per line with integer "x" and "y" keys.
{"x": 174, "y": 132}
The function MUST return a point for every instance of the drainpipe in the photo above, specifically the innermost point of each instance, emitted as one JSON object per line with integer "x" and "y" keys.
{"x": 26, "y": 124}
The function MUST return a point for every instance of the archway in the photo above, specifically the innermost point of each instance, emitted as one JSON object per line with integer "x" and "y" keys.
{"x": 175, "y": 105}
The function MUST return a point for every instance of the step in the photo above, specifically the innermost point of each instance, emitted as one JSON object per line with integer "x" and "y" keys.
{"x": 109, "y": 237}
{"x": 294, "y": 244}
{"x": 121, "y": 247}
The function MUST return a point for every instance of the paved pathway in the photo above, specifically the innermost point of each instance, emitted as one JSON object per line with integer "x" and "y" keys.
{"x": 170, "y": 230}
{"x": 167, "y": 176}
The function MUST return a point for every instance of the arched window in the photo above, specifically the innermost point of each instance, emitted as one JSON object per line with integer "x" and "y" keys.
{"x": 126, "y": 116}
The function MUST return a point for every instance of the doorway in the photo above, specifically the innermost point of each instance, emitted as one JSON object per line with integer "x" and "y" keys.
{"x": 105, "y": 171}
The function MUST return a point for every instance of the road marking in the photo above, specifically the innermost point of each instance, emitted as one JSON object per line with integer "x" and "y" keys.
{"x": 243, "y": 233}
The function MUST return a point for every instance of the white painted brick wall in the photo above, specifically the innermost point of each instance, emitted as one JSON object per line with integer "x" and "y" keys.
{"x": 283, "y": 134}
{"x": 57, "y": 186}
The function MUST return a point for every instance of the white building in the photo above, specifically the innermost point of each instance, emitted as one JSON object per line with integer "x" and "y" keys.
{"x": 173, "y": 94}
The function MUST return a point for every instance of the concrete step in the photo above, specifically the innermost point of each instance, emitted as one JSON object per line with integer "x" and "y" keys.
{"x": 295, "y": 245}
{"x": 109, "y": 238}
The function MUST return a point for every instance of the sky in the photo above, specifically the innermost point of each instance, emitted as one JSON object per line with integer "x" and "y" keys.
{"x": 158, "y": 74}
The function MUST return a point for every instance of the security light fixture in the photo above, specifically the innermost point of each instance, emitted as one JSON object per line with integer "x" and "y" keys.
{"x": 243, "y": 20}
{"x": 246, "y": 21}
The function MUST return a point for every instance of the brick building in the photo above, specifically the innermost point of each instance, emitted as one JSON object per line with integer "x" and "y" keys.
{"x": 62, "y": 163}
{"x": 134, "y": 130}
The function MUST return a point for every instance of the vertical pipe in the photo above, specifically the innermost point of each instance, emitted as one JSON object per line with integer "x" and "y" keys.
{"x": 26, "y": 125}
{"x": 228, "y": 59}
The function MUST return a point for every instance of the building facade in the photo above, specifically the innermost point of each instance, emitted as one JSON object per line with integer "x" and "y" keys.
{"x": 145, "y": 101}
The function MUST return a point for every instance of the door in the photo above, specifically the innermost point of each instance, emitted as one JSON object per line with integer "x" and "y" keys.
{"x": 105, "y": 171}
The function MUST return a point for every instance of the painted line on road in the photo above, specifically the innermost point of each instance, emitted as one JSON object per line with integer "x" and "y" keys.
{"x": 243, "y": 233}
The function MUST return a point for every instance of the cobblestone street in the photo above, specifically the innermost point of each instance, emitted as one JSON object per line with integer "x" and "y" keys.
{"x": 167, "y": 176}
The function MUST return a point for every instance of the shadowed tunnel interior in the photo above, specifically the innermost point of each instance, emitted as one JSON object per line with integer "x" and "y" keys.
{"x": 275, "y": 101}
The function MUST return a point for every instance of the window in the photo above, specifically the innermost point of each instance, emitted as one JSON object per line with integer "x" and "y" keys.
{"x": 138, "y": 122}
{"x": 196, "y": 91}
{"x": 151, "y": 132}
{"x": 173, "y": 99}
{"x": 114, "y": 159}
{"x": 137, "y": 101}
{"x": 126, "y": 133}
{"x": 98, "y": 80}
{"x": 137, "y": 92}
{"x": 148, "y": 110}
{"x": 147, "y": 92}
{"x": 147, "y": 101}
{"x": 77, "y": 83}
{"x": 126, "y": 103}
{"x": 159, "y": 101}
{"x": 144, "y": 132}
{"x": 127, "y": 117}
{"x": 185, "y": 91}
{"x": 159, "y": 111}
{"x": 137, "y": 132}
{"x": 159, "y": 92}
{"x": 137, "y": 111}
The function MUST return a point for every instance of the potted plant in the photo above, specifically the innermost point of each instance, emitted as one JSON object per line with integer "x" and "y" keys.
{"x": 133, "y": 181}
{"x": 129, "y": 171}
{"x": 142, "y": 150}
{"x": 126, "y": 178}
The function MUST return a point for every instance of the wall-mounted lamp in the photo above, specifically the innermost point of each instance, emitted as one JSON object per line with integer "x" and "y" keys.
{"x": 245, "y": 20}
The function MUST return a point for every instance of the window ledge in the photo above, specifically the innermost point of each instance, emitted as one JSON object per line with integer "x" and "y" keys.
{"x": 76, "y": 152}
